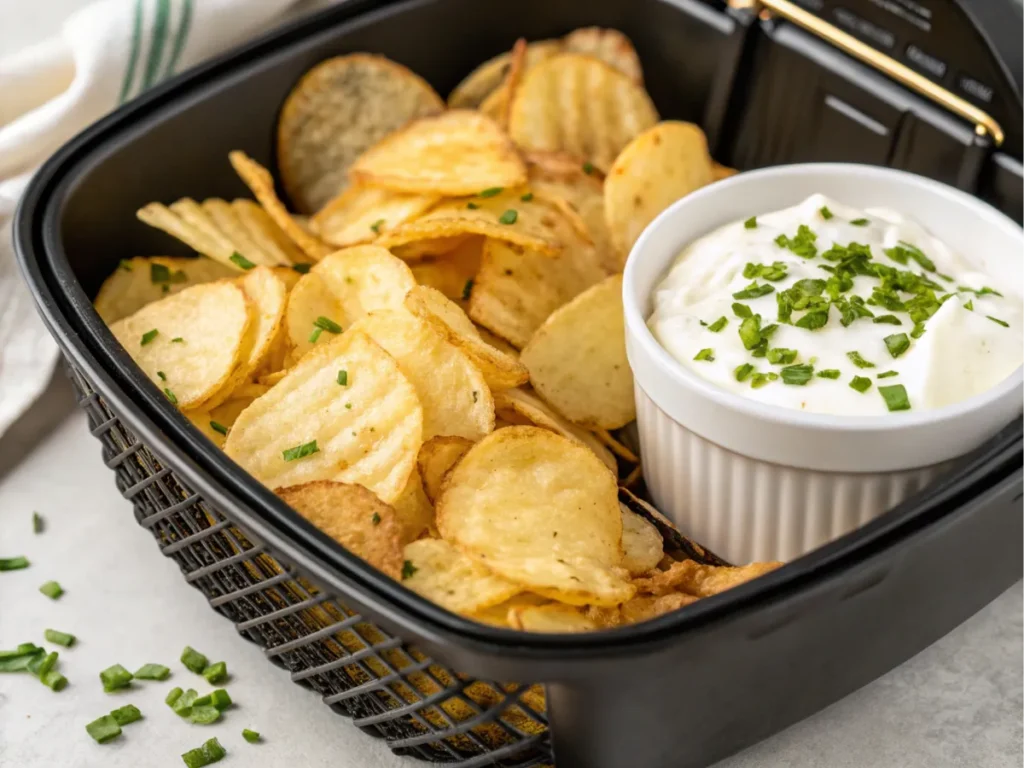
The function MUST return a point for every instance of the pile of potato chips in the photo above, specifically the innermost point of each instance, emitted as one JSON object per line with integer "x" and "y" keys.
{"x": 426, "y": 357}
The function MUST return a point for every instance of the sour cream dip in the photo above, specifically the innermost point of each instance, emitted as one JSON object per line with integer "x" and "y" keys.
{"x": 837, "y": 310}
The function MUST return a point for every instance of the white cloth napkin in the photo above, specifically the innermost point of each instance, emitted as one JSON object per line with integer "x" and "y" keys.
{"x": 106, "y": 54}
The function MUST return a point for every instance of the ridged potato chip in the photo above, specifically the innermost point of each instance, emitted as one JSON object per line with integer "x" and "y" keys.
{"x": 642, "y": 545}
{"x": 700, "y": 580}
{"x": 261, "y": 183}
{"x": 497, "y": 105}
{"x": 455, "y": 153}
{"x": 360, "y": 214}
{"x": 550, "y": 618}
{"x": 415, "y": 511}
{"x": 353, "y": 517}
{"x": 451, "y": 389}
{"x": 310, "y": 427}
{"x": 452, "y": 274}
{"x": 436, "y": 457}
{"x": 500, "y": 370}
{"x": 499, "y": 615}
{"x": 719, "y": 171}
{"x": 191, "y": 343}
{"x": 337, "y": 110}
{"x": 223, "y": 230}
{"x": 658, "y": 167}
{"x": 488, "y": 77}
{"x": 519, "y": 406}
{"x": 577, "y": 359}
{"x": 144, "y": 279}
{"x": 609, "y": 45}
{"x": 443, "y": 575}
{"x": 616, "y": 446}
{"x": 639, "y": 608}
{"x": 579, "y": 104}
{"x": 339, "y": 290}
{"x": 585, "y": 195}
{"x": 216, "y": 422}
{"x": 540, "y": 510}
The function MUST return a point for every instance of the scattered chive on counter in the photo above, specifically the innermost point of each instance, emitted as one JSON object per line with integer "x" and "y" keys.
{"x": 115, "y": 678}
{"x": 13, "y": 563}
{"x": 52, "y": 590}
{"x": 216, "y": 673}
{"x": 251, "y": 736}
{"x": 193, "y": 660}
{"x": 37, "y": 523}
{"x": 59, "y": 638}
{"x": 208, "y": 754}
{"x": 129, "y": 713}
{"x": 103, "y": 729}
{"x": 152, "y": 672}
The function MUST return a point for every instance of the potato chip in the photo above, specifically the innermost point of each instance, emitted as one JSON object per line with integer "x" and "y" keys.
{"x": 415, "y": 511}
{"x": 452, "y": 274}
{"x": 719, "y": 171}
{"x": 342, "y": 288}
{"x": 658, "y": 167}
{"x": 642, "y": 545}
{"x": 436, "y": 457}
{"x": 191, "y": 343}
{"x": 608, "y": 45}
{"x": 144, "y": 279}
{"x": 310, "y": 427}
{"x": 639, "y": 608}
{"x": 249, "y": 390}
{"x": 223, "y": 416}
{"x": 550, "y": 618}
{"x": 455, "y": 153}
{"x": 540, "y": 510}
{"x": 337, "y": 110}
{"x": 520, "y": 406}
{"x": 579, "y": 104}
{"x": 443, "y": 575}
{"x": 577, "y": 359}
{"x": 360, "y": 214}
{"x": 488, "y": 77}
{"x": 259, "y": 180}
{"x": 496, "y": 106}
{"x": 430, "y": 247}
{"x": 353, "y": 517}
{"x": 498, "y": 615}
{"x": 242, "y": 229}
{"x": 500, "y": 370}
{"x": 270, "y": 379}
{"x": 504, "y": 215}
{"x": 700, "y": 580}
{"x": 451, "y": 389}
{"x": 556, "y": 165}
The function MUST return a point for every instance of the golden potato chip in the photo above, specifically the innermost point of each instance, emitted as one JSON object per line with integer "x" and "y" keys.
{"x": 338, "y": 109}
{"x": 259, "y": 180}
{"x": 144, "y": 279}
{"x": 520, "y": 406}
{"x": 189, "y": 344}
{"x": 455, "y": 153}
{"x": 719, "y": 171}
{"x": 496, "y": 106}
{"x": 353, "y": 517}
{"x": 414, "y": 509}
{"x": 540, "y": 510}
{"x": 451, "y": 389}
{"x": 634, "y": 477}
{"x": 443, "y": 575}
{"x": 639, "y": 608}
{"x": 215, "y": 423}
{"x": 270, "y": 379}
{"x": 499, "y": 369}
{"x": 241, "y": 230}
{"x": 436, "y": 457}
{"x": 503, "y": 215}
{"x": 498, "y": 615}
{"x": 556, "y": 165}
{"x": 641, "y": 543}
{"x": 431, "y": 247}
{"x": 700, "y": 580}
{"x": 552, "y": 617}
{"x": 609, "y": 45}
{"x": 658, "y": 167}
{"x": 485, "y": 79}
{"x": 452, "y": 274}
{"x": 360, "y": 214}
{"x": 579, "y": 104}
{"x": 616, "y": 447}
{"x": 339, "y": 290}
{"x": 311, "y": 427}
{"x": 249, "y": 390}
{"x": 577, "y": 359}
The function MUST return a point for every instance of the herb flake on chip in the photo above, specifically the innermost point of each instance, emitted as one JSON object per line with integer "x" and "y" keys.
{"x": 467, "y": 289}
{"x": 491, "y": 191}
{"x": 327, "y": 324}
{"x": 300, "y": 451}
{"x": 216, "y": 426}
{"x": 241, "y": 261}
{"x": 343, "y": 377}
{"x": 376, "y": 226}
{"x": 408, "y": 570}
{"x": 509, "y": 217}
{"x": 148, "y": 336}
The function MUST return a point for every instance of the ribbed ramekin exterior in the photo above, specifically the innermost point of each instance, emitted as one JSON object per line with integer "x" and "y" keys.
{"x": 745, "y": 509}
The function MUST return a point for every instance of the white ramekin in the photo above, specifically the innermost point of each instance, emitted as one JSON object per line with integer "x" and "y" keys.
{"x": 760, "y": 482}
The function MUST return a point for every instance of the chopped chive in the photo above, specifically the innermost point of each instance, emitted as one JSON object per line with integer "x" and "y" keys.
{"x": 719, "y": 324}
{"x": 859, "y": 361}
{"x": 527, "y": 197}
{"x": 170, "y": 396}
{"x": 115, "y": 678}
{"x": 216, "y": 426}
{"x": 887, "y": 375}
{"x": 742, "y": 372}
{"x": 467, "y": 289}
{"x": 182, "y": 705}
{"x": 148, "y": 336}
{"x": 750, "y": 223}
{"x": 125, "y": 265}
{"x": 315, "y": 335}
{"x": 588, "y": 168}
{"x": 251, "y": 736}
{"x": 897, "y": 344}
{"x": 103, "y": 729}
{"x": 208, "y": 754}
{"x": 348, "y": 406}
{"x": 302, "y": 269}
{"x": 20, "y": 662}
{"x": 998, "y": 321}
{"x": 750, "y": 332}
{"x": 969, "y": 306}
{"x": 812, "y": 321}
{"x": 472, "y": 206}
{"x": 859, "y": 222}
{"x": 203, "y": 714}
{"x": 220, "y": 698}
{"x": 759, "y": 380}
{"x": 375, "y": 519}
{"x": 327, "y": 324}
{"x": 161, "y": 375}
{"x": 241, "y": 261}
{"x": 290, "y": 454}
{"x": 918, "y": 331}
{"x": 895, "y": 397}
{"x": 158, "y": 273}
{"x": 37, "y": 523}
{"x": 47, "y": 664}
{"x": 826, "y": 214}
{"x": 828, "y": 373}
{"x": 194, "y": 660}
{"x": 177, "y": 340}
{"x": 509, "y": 216}
{"x": 781, "y": 356}
{"x": 172, "y": 696}
{"x": 702, "y": 324}
{"x": 860, "y": 383}
{"x": 153, "y": 672}
{"x": 59, "y": 638}
{"x": 376, "y": 226}
{"x": 13, "y": 563}
{"x": 52, "y": 590}
{"x": 797, "y": 375}
{"x": 887, "y": 320}
{"x": 408, "y": 570}
{"x": 492, "y": 191}
{"x": 54, "y": 680}
{"x": 129, "y": 713}
{"x": 754, "y": 291}
{"x": 343, "y": 377}
{"x": 706, "y": 354}
{"x": 741, "y": 310}
{"x": 216, "y": 673}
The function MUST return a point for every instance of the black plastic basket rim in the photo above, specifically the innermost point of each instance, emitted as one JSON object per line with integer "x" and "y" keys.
{"x": 85, "y": 340}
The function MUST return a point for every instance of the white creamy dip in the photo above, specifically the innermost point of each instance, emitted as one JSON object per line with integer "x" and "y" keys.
{"x": 947, "y": 338}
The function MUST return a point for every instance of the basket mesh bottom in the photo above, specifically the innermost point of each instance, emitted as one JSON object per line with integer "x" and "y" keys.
{"x": 389, "y": 689}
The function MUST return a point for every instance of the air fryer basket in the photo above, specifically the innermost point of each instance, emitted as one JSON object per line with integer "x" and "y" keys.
{"x": 683, "y": 690}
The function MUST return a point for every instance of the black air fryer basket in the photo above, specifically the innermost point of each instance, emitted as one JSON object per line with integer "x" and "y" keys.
{"x": 934, "y": 90}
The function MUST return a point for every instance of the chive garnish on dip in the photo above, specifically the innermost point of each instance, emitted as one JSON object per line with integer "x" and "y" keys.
{"x": 719, "y": 324}
{"x": 887, "y": 375}
{"x": 741, "y": 310}
{"x": 754, "y": 291}
{"x": 707, "y": 354}
{"x": 781, "y": 356}
{"x": 797, "y": 375}
{"x": 828, "y": 373}
{"x": 997, "y": 321}
{"x": 897, "y": 344}
{"x": 859, "y": 361}
{"x": 750, "y": 223}
{"x": 742, "y": 372}
{"x": 860, "y": 383}
{"x": 895, "y": 397}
